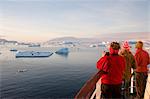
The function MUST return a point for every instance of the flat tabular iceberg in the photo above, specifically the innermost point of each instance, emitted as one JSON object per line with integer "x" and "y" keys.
{"x": 33, "y": 54}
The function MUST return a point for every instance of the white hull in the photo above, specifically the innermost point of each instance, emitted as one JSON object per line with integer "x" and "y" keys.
{"x": 33, "y": 54}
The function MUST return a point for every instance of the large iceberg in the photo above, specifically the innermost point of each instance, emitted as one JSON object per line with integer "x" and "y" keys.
{"x": 62, "y": 51}
{"x": 33, "y": 54}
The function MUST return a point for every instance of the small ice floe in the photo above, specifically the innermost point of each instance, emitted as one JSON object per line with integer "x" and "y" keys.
{"x": 67, "y": 42}
{"x": 93, "y": 45}
{"x": 132, "y": 42}
{"x": 34, "y": 45}
{"x": 147, "y": 48}
{"x": 101, "y": 45}
{"x": 22, "y": 70}
{"x": 13, "y": 49}
{"x": 33, "y": 54}
{"x": 62, "y": 51}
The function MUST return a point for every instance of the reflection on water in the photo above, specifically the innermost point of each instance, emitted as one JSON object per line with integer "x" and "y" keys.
{"x": 63, "y": 55}
{"x": 57, "y": 76}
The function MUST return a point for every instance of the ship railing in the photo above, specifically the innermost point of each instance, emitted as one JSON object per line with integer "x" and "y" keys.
{"x": 92, "y": 88}
{"x": 147, "y": 89}
{"x": 97, "y": 92}
{"x": 89, "y": 87}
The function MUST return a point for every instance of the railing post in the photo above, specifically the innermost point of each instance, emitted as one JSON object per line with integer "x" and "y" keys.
{"x": 98, "y": 89}
{"x": 97, "y": 92}
{"x": 132, "y": 79}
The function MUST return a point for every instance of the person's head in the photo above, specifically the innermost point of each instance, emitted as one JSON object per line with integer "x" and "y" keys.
{"x": 139, "y": 45}
{"x": 125, "y": 45}
{"x": 114, "y": 48}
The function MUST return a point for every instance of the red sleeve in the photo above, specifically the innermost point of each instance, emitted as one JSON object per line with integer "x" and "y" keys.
{"x": 102, "y": 64}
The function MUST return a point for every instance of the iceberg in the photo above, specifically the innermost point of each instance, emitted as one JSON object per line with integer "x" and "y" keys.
{"x": 33, "y": 54}
{"x": 101, "y": 45}
{"x": 23, "y": 70}
{"x": 34, "y": 45}
{"x": 62, "y": 51}
{"x": 132, "y": 42}
{"x": 93, "y": 45}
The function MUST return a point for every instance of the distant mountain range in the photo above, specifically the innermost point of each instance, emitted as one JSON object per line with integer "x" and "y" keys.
{"x": 98, "y": 38}
{"x": 69, "y": 39}
{"x": 104, "y": 37}
{"x": 110, "y": 37}
{"x": 73, "y": 39}
{"x": 3, "y": 41}
{"x": 7, "y": 41}
{"x": 125, "y": 36}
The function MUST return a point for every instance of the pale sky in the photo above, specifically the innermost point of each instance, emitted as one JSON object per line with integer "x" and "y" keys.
{"x": 41, "y": 20}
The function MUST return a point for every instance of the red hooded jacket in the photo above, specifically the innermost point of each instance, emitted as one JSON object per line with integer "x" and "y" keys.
{"x": 114, "y": 65}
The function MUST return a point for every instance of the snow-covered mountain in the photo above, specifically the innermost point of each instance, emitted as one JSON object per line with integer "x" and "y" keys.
{"x": 73, "y": 40}
{"x": 2, "y": 41}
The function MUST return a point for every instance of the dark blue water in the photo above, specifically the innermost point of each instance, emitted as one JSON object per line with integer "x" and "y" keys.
{"x": 53, "y": 77}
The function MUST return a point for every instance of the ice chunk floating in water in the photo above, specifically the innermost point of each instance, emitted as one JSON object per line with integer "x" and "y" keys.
{"x": 93, "y": 45}
{"x": 33, "y": 54}
{"x": 62, "y": 51}
{"x": 23, "y": 70}
{"x": 13, "y": 49}
{"x": 34, "y": 45}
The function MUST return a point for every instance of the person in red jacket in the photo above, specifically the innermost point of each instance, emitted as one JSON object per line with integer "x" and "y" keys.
{"x": 142, "y": 60}
{"x": 112, "y": 65}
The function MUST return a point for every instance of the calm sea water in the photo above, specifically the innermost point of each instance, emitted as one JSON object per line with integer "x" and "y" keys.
{"x": 52, "y": 77}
